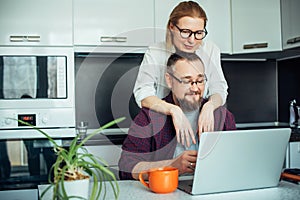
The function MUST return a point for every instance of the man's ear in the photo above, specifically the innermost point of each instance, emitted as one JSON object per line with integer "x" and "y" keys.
{"x": 168, "y": 80}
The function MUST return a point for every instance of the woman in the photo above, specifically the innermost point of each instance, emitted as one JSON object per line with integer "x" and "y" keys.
{"x": 185, "y": 32}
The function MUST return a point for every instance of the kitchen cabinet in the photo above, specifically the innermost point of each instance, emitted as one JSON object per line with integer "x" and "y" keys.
{"x": 113, "y": 23}
{"x": 110, "y": 153}
{"x": 218, "y": 25}
{"x": 256, "y": 26}
{"x": 36, "y": 23}
{"x": 294, "y": 155}
{"x": 290, "y": 23}
{"x": 162, "y": 11}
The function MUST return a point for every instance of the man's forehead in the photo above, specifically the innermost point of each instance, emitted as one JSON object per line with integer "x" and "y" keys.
{"x": 195, "y": 66}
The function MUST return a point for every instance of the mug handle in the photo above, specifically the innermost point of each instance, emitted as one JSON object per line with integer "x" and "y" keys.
{"x": 142, "y": 180}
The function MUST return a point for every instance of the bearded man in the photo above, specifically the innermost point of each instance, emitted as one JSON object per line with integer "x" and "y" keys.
{"x": 152, "y": 141}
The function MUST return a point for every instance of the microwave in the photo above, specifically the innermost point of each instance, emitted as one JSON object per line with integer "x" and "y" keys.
{"x": 37, "y": 86}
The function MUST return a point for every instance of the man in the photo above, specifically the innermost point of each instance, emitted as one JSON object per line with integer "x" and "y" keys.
{"x": 151, "y": 140}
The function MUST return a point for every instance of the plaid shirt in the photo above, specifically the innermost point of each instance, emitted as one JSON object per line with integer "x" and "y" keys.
{"x": 152, "y": 137}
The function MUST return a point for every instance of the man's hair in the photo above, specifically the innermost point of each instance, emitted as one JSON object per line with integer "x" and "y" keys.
{"x": 179, "y": 55}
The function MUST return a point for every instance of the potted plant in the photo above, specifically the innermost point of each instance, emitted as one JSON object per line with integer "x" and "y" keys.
{"x": 72, "y": 165}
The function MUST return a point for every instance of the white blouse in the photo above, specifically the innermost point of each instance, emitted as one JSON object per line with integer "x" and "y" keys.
{"x": 151, "y": 76}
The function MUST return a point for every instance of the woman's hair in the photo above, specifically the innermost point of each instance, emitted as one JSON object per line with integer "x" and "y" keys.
{"x": 184, "y": 9}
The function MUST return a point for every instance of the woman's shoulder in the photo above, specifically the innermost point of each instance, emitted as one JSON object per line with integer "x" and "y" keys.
{"x": 208, "y": 46}
{"x": 157, "y": 47}
{"x": 158, "y": 52}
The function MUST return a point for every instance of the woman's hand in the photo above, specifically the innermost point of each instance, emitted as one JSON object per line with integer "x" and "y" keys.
{"x": 186, "y": 162}
{"x": 206, "y": 118}
{"x": 184, "y": 131}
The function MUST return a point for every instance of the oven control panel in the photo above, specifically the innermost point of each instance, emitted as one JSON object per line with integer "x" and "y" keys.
{"x": 58, "y": 123}
{"x": 42, "y": 118}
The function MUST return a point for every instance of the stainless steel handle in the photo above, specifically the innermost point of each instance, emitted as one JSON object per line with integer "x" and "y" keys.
{"x": 113, "y": 39}
{"x": 17, "y": 38}
{"x": 255, "y": 46}
{"x": 33, "y": 38}
{"x": 25, "y": 38}
{"x": 293, "y": 40}
{"x": 106, "y": 39}
{"x": 121, "y": 39}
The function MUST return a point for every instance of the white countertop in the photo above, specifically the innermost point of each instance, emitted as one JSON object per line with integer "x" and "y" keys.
{"x": 134, "y": 190}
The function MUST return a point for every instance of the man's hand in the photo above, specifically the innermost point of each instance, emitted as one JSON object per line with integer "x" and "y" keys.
{"x": 182, "y": 127}
{"x": 186, "y": 162}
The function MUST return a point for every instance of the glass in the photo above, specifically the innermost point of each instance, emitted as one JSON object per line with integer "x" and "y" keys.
{"x": 189, "y": 83}
{"x": 186, "y": 33}
{"x": 42, "y": 77}
{"x": 82, "y": 129}
{"x": 25, "y": 163}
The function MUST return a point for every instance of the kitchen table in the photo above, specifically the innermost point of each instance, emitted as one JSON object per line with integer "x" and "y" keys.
{"x": 133, "y": 190}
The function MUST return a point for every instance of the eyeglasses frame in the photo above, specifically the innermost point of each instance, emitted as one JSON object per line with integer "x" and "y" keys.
{"x": 191, "y": 83}
{"x": 192, "y": 32}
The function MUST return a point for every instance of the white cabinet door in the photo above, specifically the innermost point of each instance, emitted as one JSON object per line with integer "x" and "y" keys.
{"x": 218, "y": 26}
{"x": 36, "y": 22}
{"x": 219, "y": 23}
{"x": 110, "y": 153}
{"x": 290, "y": 23}
{"x": 113, "y": 22}
{"x": 162, "y": 11}
{"x": 294, "y": 155}
{"x": 256, "y": 26}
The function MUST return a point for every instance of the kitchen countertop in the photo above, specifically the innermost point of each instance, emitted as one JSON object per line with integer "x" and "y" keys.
{"x": 116, "y": 137}
{"x": 134, "y": 190}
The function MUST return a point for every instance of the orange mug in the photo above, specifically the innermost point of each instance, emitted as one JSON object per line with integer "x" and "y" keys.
{"x": 161, "y": 180}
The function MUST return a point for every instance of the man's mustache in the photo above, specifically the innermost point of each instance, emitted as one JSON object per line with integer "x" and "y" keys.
{"x": 193, "y": 93}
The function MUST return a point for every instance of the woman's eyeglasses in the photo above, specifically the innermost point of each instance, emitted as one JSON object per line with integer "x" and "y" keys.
{"x": 186, "y": 33}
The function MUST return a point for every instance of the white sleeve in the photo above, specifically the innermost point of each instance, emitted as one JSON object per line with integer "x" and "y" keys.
{"x": 216, "y": 83}
{"x": 150, "y": 75}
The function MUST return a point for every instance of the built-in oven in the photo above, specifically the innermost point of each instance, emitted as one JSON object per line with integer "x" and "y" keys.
{"x": 36, "y": 86}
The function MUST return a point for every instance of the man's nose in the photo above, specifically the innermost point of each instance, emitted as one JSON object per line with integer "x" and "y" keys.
{"x": 194, "y": 86}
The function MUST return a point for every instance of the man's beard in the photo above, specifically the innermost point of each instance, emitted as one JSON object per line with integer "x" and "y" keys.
{"x": 188, "y": 106}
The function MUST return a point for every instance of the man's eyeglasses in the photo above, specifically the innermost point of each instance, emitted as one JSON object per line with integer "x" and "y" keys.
{"x": 186, "y": 33}
{"x": 189, "y": 83}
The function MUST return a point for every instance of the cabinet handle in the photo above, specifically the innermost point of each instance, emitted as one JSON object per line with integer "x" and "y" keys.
{"x": 25, "y": 38}
{"x": 113, "y": 39}
{"x": 17, "y": 38}
{"x": 254, "y": 46}
{"x": 106, "y": 39}
{"x": 33, "y": 38}
{"x": 121, "y": 39}
{"x": 293, "y": 40}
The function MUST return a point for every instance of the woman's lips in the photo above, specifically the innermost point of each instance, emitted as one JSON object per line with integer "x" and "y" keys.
{"x": 188, "y": 47}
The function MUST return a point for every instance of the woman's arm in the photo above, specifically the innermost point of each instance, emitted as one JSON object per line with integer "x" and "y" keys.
{"x": 206, "y": 118}
{"x": 216, "y": 84}
{"x": 182, "y": 126}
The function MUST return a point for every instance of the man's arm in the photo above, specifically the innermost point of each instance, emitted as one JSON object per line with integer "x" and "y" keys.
{"x": 185, "y": 163}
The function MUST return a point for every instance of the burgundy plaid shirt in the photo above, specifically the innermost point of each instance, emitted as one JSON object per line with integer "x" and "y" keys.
{"x": 152, "y": 137}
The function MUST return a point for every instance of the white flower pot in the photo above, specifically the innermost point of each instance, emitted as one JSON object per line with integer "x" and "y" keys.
{"x": 79, "y": 188}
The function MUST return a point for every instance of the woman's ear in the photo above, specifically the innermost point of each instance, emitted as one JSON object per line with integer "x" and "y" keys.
{"x": 171, "y": 27}
{"x": 168, "y": 79}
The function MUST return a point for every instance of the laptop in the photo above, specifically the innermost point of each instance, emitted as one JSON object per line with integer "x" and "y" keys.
{"x": 238, "y": 160}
